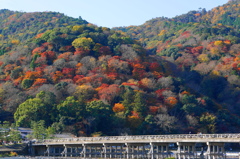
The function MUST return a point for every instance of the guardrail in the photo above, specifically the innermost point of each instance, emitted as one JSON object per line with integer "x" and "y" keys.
{"x": 143, "y": 138}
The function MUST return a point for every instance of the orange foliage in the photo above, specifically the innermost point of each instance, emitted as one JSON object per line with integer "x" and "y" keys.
{"x": 139, "y": 66}
{"x": 118, "y": 107}
{"x": 9, "y": 67}
{"x": 33, "y": 74}
{"x": 57, "y": 75}
{"x": 197, "y": 14}
{"x": 134, "y": 115}
{"x": 185, "y": 92}
{"x": 104, "y": 85}
{"x": 39, "y": 81}
{"x": 112, "y": 75}
{"x": 17, "y": 81}
{"x": 38, "y": 36}
{"x": 171, "y": 101}
{"x": 83, "y": 80}
{"x": 65, "y": 56}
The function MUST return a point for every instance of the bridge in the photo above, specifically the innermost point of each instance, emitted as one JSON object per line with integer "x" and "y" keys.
{"x": 194, "y": 146}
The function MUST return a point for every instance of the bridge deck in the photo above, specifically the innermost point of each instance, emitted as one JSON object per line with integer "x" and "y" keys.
{"x": 190, "y": 138}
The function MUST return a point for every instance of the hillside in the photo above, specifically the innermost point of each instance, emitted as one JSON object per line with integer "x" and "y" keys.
{"x": 18, "y": 27}
{"x": 91, "y": 80}
{"x": 204, "y": 45}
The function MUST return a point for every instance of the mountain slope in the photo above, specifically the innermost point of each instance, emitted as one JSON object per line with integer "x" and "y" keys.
{"x": 91, "y": 80}
{"x": 18, "y": 27}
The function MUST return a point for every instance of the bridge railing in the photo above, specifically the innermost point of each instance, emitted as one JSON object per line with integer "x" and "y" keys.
{"x": 146, "y": 138}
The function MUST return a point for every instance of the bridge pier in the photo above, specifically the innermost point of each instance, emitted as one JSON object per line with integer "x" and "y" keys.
{"x": 186, "y": 150}
{"x": 136, "y": 150}
{"x": 113, "y": 150}
{"x": 160, "y": 150}
{"x": 92, "y": 150}
{"x": 215, "y": 150}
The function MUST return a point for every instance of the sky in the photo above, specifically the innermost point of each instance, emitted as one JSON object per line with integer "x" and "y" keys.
{"x": 112, "y": 13}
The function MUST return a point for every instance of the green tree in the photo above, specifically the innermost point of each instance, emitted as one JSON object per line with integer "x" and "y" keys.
{"x": 27, "y": 83}
{"x": 127, "y": 100}
{"x": 31, "y": 110}
{"x": 39, "y": 130}
{"x": 100, "y": 114}
{"x": 139, "y": 104}
{"x": 15, "y": 135}
{"x": 71, "y": 108}
{"x": 186, "y": 99}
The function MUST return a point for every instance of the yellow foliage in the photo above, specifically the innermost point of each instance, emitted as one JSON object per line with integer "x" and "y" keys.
{"x": 15, "y": 42}
{"x": 77, "y": 28}
{"x": 214, "y": 51}
{"x": 13, "y": 154}
{"x": 20, "y": 34}
{"x": 132, "y": 81}
{"x": 162, "y": 32}
{"x": 218, "y": 43}
{"x": 1, "y": 36}
{"x": 215, "y": 72}
{"x": 203, "y": 58}
{"x": 83, "y": 42}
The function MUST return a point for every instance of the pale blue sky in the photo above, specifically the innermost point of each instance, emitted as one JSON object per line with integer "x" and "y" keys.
{"x": 112, "y": 13}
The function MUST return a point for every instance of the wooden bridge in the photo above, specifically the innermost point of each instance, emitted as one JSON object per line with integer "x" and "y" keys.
{"x": 145, "y": 146}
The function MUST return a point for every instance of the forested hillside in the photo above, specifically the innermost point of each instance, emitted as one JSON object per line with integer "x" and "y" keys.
{"x": 204, "y": 45}
{"x": 18, "y": 27}
{"x": 91, "y": 80}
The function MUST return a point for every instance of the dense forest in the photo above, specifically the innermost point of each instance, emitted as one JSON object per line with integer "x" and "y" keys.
{"x": 166, "y": 76}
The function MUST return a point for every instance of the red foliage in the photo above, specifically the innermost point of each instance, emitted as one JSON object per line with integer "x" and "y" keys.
{"x": 77, "y": 77}
{"x": 153, "y": 109}
{"x": 197, "y": 50}
{"x": 80, "y": 51}
{"x": 50, "y": 55}
{"x": 104, "y": 85}
{"x": 105, "y": 50}
{"x": 68, "y": 72}
{"x": 159, "y": 93}
{"x": 154, "y": 66}
{"x": 40, "y": 69}
{"x": 38, "y": 50}
{"x": 109, "y": 93}
{"x": 186, "y": 34}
